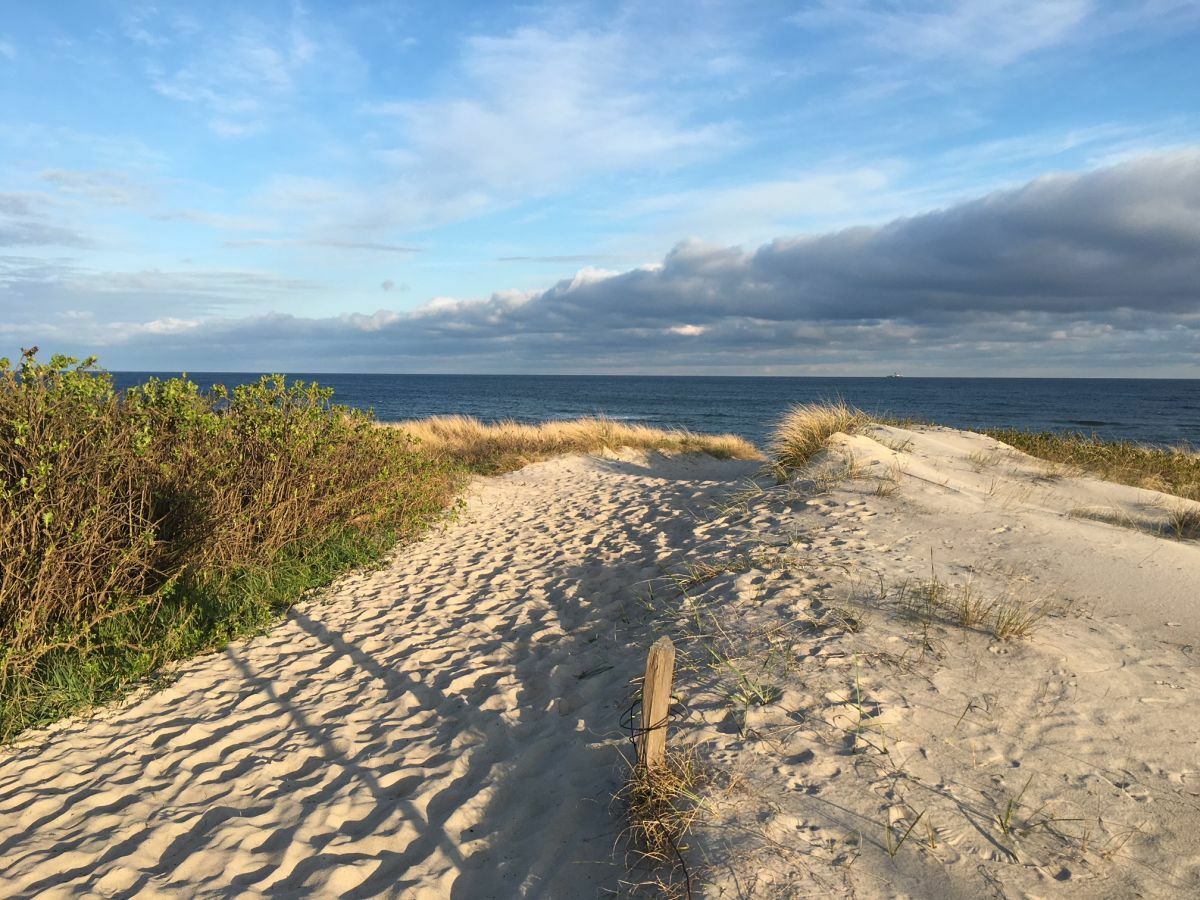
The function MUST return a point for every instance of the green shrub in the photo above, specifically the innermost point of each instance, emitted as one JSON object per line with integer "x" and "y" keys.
{"x": 149, "y": 526}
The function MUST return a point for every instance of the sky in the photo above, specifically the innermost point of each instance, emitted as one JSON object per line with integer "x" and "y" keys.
{"x": 838, "y": 187}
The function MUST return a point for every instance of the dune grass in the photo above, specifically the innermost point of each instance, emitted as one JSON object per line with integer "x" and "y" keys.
{"x": 661, "y": 806}
{"x": 806, "y": 428}
{"x": 505, "y": 446}
{"x": 1168, "y": 470}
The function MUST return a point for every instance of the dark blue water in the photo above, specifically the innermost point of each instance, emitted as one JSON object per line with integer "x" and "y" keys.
{"x": 1158, "y": 411}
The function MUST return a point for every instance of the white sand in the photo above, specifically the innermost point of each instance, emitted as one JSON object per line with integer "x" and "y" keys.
{"x": 425, "y": 731}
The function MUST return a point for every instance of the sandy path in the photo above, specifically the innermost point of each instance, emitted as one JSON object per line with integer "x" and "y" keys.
{"x": 443, "y": 727}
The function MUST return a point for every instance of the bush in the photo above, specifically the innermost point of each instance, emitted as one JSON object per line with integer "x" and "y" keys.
{"x": 144, "y": 527}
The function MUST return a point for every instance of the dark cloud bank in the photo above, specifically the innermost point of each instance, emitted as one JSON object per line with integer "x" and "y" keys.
{"x": 1096, "y": 273}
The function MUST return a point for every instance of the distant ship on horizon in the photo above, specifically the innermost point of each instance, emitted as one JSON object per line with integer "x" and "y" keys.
{"x": 894, "y": 375}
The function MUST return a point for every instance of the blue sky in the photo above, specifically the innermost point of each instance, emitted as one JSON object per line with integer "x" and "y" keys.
{"x": 404, "y": 187}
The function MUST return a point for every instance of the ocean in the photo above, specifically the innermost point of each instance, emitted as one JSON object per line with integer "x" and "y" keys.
{"x": 1153, "y": 411}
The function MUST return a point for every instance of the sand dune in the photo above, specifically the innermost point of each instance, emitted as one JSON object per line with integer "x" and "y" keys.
{"x": 1063, "y": 764}
{"x": 448, "y": 725}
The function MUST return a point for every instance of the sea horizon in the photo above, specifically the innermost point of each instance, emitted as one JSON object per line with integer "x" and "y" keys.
{"x": 307, "y": 372}
{"x": 1159, "y": 411}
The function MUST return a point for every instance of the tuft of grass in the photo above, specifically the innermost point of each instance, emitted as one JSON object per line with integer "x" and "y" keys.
{"x": 980, "y": 460}
{"x": 805, "y": 430}
{"x": 695, "y": 574}
{"x": 661, "y": 805}
{"x": 1005, "y": 819}
{"x": 895, "y": 446}
{"x": 751, "y": 691}
{"x": 1184, "y": 521}
{"x": 1006, "y": 617}
{"x": 1168, "y": 470}
{"x": 1013, "y": 618}
{"x": 887, "y": 485}
{"x": 768, "y": 557}
{"x": 738, "y": 501}
{"x": 506, "y": 446}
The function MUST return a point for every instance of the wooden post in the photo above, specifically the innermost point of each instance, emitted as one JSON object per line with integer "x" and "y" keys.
{"x": 656, "y": 703}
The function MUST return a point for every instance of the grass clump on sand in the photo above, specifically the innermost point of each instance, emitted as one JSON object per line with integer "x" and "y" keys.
{"x": 1006, "y": 617}
{"x": 661, "y": 805}
{"x": 806, "y": 428}
{"x": 1170, "y": 471}
{"x": 148, "y": 526}
{"x": 505, "y": 446}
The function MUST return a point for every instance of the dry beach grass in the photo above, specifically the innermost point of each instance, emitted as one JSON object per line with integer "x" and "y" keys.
{"x": 491, "y": 448}
{"x": 1174, "y": 470}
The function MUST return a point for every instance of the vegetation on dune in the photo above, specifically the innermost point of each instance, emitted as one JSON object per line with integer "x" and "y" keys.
{"x": 150, "y": 526}
{"x": 505, "y": 446}
{"x": 1169, "y": 470}
{"x": 806, "y": 428}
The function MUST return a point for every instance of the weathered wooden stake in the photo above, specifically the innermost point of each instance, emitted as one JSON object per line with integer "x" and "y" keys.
{"x": 656, "y": 702}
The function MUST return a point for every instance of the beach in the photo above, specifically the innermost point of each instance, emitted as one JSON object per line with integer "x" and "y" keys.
{"x": 526, "y": 452}
{"x": 924, "y": 665}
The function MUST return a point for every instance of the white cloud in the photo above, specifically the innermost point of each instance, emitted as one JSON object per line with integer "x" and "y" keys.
{"x": 331, "y": 243}
{"x": 107, "y": 188}
{"x": 996, "y": 32}
{"x": 24, "y": 222}
{"x": 162, "y": 326}
{"x": 535, "y": 111}
{"x": 221, "y": 221}
{"x": 216, "y": 283}
{"x": 523, "y": 115}
{"x": 242, "y": 71}
{"x": 759, "y": 209}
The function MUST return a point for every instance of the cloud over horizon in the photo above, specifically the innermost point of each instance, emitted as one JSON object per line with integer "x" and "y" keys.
{"x": 1079, "y": 273}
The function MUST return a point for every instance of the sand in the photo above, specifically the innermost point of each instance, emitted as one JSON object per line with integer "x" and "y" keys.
{"x": 448, "y": 726}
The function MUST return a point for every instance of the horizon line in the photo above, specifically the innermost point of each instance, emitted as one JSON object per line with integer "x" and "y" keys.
{"x": 297, "y": 372}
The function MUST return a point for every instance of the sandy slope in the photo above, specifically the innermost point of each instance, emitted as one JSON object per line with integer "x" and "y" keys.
{"x": 444, "y": 727}
{"x": 448, "y": 726}
{"x": 1066, "y": 764}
